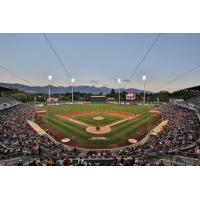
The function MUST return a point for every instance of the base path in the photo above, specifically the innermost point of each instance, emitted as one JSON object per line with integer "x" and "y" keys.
{"x": 92, "y": 129}
{"x": 78, "y": 122}
{"x": 121, "y": 121}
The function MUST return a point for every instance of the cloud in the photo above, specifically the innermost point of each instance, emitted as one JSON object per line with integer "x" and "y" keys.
{"x": 123, "y": 80}
{"x": 126, "y": 80}
{"x": 94, "y": 82}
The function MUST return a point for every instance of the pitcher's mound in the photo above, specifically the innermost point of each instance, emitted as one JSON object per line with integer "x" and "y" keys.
{"x": 102, "y": 130}
{"x": 98, "y": 118}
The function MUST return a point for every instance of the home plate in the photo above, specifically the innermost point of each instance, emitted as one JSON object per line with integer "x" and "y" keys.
{"x": 98, "y": 118}
{"x": 133, "y": 141}
{"x": 65, "y": 140}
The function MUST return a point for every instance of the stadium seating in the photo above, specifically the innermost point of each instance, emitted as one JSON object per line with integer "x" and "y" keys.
{"x": 20, "y": 145}
{"x": 7, "y": 103}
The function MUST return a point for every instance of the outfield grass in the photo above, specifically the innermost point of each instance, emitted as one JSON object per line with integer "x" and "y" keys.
{"x": 78, "y": 133}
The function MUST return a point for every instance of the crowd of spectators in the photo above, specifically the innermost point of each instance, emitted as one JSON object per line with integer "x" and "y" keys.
{"x": 182, "y": 130}
{"x": 18, "y": 139}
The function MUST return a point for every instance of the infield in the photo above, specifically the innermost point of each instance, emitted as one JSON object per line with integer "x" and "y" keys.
{"x": 125, "y": 122}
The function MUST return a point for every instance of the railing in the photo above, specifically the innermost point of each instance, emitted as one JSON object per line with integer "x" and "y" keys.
{"x": 24, "y": 159}
{"x": 181, "y": 160}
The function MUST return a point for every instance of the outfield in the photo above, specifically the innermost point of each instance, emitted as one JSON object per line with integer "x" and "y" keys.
{"x": 86, "y": 114}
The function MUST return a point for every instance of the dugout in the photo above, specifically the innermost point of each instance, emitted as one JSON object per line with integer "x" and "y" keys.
{"x": 98, "y": 99}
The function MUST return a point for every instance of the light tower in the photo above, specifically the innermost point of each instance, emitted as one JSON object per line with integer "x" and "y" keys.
{"x": 49, "y": 79}
{"x": 119, "y": 82}
{"x": 72, "y": 81}
{"x": 144, "y": 78}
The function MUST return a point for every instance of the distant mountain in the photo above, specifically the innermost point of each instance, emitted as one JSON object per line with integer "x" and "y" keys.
{"x": 62, "y": 89}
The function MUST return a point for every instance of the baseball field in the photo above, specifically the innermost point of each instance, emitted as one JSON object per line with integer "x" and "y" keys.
{"x": 98, "y": 125}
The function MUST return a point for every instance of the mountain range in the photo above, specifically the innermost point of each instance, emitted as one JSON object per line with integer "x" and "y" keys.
{"x": 63, "y": 90}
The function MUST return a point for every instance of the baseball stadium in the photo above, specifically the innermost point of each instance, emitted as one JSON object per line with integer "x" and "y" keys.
{"x": 100, "y": 117}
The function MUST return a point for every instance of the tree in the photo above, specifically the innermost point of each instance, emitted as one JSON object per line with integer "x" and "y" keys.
{"x": 20, "y": 97}
{"x": 112, "y": 92}
{"x": 123, "y": 95}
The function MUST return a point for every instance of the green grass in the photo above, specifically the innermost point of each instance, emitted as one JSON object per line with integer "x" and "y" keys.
{"x": 78, "y": 133}
{"x": 108, "y": 119}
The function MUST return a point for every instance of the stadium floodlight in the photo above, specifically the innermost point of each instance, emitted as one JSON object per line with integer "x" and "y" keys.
{"x": 72, "y": 81}
{"x": 144, "y": 78}
{"x": 49, "y": 79}
{"x": 119, "y": 81}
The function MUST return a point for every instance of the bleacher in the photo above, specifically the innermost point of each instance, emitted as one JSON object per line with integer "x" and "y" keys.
{"x": 195, "y": 101}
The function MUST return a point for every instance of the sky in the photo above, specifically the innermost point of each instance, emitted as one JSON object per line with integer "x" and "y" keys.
{"x": 100, "y": 59}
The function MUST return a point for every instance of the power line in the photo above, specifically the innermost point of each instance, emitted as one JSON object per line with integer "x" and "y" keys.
{"x": 16, "y": 75}
{"x": 19, "y": 77}
{"x": 57, "y": 56}
{"x": 144, "y": 57}
{"x": 178, "y": 77}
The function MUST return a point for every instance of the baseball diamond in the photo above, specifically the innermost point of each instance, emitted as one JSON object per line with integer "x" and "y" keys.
{"x": 118, "y": 124}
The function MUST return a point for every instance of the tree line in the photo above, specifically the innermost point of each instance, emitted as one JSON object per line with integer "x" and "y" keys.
{"x": 162, "y": 96}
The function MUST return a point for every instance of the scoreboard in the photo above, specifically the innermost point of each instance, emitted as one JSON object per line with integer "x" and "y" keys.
{"x": 131, "y": 96}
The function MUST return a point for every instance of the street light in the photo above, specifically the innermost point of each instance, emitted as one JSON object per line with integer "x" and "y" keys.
{"x": 72, "y": 81}
{"x": 119, "y": 81}
{"x": 49, "y": 79}
{"x": 144, "y": 78}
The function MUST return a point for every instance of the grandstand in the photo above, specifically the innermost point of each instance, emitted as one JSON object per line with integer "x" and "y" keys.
{"x": 176, "y": 144}
{"x": 7, "y": 103}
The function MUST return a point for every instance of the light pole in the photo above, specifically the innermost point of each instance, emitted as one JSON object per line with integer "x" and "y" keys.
{"x": 49, "y": 79}
{"x": 144, "y": 78}
{"x": 119, "y": 81}
{"x": 72, "y": 81}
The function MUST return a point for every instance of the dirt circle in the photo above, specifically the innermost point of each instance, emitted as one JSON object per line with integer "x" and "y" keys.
{"x": 133, "y": 141}
{"x": 103, "y": 130}
{"x": 65, "y": 140}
